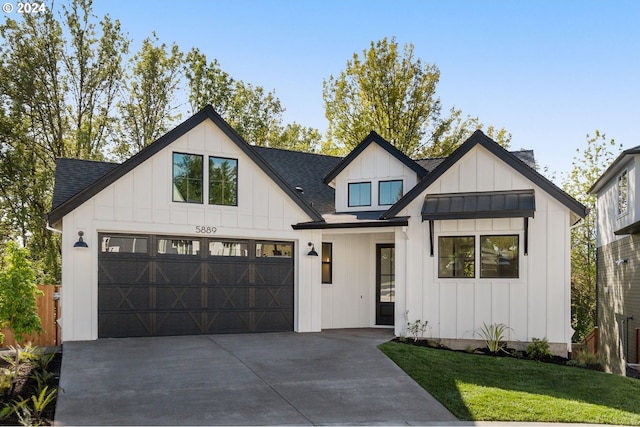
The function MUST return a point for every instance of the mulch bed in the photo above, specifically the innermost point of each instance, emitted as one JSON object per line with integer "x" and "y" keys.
{"x": 25, "y": 387}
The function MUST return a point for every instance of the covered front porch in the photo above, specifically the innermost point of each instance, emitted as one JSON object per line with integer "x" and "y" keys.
{"x": 358, "y": 278}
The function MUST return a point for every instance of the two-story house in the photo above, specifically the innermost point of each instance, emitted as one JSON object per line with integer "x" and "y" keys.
{"x": 201, "y": 233}
{"x": 618, "y": 255}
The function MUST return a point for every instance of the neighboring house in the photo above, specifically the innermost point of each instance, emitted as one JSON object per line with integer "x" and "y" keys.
{"x": 618, "y": 266}
{"x": 202, "y": 233}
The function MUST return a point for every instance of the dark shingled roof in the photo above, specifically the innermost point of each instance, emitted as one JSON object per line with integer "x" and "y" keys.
{"x": 300, "y": 170}
{"x": 74, "y": 175}
{"x": 304, "y": 171}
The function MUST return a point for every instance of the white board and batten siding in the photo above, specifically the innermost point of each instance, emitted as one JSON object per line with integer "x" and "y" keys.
{"x": 373, "y": 165}
{"x": 140, "y": 202}
{"x": 349, "y": 300}
{"x": 537, "y": 304}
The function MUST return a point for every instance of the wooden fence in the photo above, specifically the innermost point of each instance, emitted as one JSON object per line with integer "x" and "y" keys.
{"x": 592, "y": 340}
{"x": 48, "y": 308}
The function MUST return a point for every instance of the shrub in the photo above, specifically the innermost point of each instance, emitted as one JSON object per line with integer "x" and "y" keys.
{"x": 493, "y": 336}
{"x": 417, "y": 328}
{"x": 587, "y": 360}
{"x": 539, "y": 350}
{"x": 18, "y": 292}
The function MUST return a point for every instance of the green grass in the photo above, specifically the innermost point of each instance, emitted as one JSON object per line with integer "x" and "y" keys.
{"x": 483, "y": 388}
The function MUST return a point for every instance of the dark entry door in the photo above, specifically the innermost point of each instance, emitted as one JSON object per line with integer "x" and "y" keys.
{"x": 385, "y": 283}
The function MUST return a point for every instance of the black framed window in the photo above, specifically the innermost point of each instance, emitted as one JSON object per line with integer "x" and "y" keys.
{"x": 360, "y": 194}
{"x": 223, "y": 181}
{"x": 327, "y": 262}
{"x": 389, "y": 192}
{"x": 187, "y": 178}
{"x": 456, "y": 257}
{"x": 500, "y": 256}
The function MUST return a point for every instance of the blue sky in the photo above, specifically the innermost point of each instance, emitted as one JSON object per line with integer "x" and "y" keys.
{"x": 548, "y": 71}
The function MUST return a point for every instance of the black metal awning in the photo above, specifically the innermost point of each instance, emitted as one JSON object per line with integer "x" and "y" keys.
{"x": 487, "y": 204}
{"x": 477, "y": 205}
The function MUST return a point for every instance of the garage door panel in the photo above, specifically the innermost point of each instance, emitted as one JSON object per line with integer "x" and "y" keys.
{"x": 222, "y": 272}
{"x": 205, "y": 293}
{"x": 120, "y": 269}
{"x": 178, "y": 271}
{"x": 120, "y": 325}
{"x": 179, "y": 323}
{"x": 273, "y": 297}
{"x": 178, "y": 297}
{"x": 124, "y": 298}
{"x": 270, "y": 273}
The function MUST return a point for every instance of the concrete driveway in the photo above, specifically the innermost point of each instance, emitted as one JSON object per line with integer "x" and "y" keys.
{"x": 332, "y": 377}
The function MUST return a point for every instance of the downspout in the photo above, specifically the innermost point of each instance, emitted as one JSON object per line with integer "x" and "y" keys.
{"x": 626, "y": 351}
{"x": 50, "y": 228}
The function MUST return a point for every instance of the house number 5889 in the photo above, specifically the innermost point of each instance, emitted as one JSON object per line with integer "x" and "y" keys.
{"x": 205, "y": 229}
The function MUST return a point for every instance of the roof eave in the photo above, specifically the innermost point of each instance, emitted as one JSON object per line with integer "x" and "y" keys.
{"x": 606, "y": 175}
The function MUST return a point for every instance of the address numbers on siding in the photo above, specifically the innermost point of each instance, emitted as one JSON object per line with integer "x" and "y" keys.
{"x": 205, "y": 229}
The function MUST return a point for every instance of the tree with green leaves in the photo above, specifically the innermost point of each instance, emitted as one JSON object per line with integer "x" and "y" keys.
{"x": 252, "y": 111}
{"x": 18, "y": 293}
{"x": 93, "y": 75}
{"x": 59, "y": 79}
{"x": 394, "y": 93}
{"x": 588, "y": 165}
{"x": 148, "y": 108}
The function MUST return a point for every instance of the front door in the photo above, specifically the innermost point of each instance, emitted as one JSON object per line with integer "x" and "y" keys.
{"x": 385, "y": 283}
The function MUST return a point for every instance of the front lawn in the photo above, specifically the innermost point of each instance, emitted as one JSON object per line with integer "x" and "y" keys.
{"x": 484, "y": 388}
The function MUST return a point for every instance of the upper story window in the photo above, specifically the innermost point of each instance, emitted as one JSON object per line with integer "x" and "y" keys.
{"x": 623, "y": 193}
{"x": 187, "y": 178}
{"x": 359, "y": 194}
{"x": 223, "y": 181}
{"x": 389, "y": 192}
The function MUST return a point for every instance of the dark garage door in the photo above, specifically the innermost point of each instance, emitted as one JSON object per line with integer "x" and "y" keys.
{"x": 155, "y": 285}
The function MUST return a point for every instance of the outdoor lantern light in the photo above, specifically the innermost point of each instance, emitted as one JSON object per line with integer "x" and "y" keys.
{"x": 312, "y": 252}
{"x": 80, "y": 243}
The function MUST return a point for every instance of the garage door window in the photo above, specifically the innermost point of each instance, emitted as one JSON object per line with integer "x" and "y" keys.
{"x": 124, "y": 244}
{"x": 228, "y": 248}
{"x": 274, "y": 249}
{"x": 178, "y": 247}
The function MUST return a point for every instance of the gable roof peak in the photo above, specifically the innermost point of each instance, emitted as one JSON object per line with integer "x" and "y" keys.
{"x": 374, "y": 137}
{"x": 479, "y": 138}
{"x": 207, "y": 112}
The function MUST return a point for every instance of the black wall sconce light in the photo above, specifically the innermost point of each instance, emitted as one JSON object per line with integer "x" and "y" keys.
{"x": 312, "y": 252}
{"x": 80, "y": 243}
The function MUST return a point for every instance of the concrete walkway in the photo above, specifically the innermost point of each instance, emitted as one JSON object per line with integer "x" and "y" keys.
{"x": 333, "y": 377}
